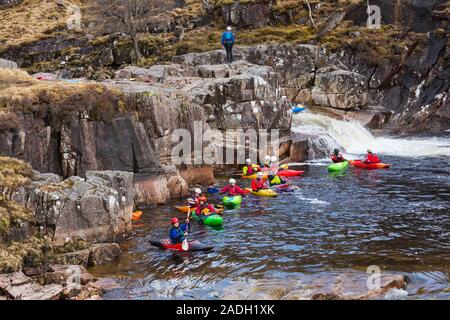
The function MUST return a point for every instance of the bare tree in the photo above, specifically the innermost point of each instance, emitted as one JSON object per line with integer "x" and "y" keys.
{"x": 310, "y": 14}
{"x": 130, "y": 17}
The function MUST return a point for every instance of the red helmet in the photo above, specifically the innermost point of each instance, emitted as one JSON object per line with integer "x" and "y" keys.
{"x": 174, "y": 220}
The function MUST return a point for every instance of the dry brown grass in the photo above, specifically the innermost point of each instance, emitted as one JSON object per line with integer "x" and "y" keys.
{"x": 58, "y": 99}
{"x": 32, "y": 20}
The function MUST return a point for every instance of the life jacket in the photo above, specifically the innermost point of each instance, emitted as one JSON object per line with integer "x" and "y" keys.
{"x": 200, "y": 208}
{"x": 275, "y": 180}
{"x": 258, "y": 184}
{"x": 338, "y": 158}
{"x": 249, "y": 170}
{"x": 232, "y": 190}
{"x": 176, "y": 235}
{"x": 372, "y": 158}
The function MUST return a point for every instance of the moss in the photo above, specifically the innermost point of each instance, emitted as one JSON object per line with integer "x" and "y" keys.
{"x": 36, "y": 252}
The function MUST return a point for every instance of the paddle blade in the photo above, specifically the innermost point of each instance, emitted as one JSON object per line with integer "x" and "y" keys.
{"x": 185, "y": 245}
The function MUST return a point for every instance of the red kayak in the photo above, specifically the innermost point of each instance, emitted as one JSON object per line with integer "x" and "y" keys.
{"x": 368, "y": 166}
{"x": 290, "y": 173}
{"x": 193, "y": 245}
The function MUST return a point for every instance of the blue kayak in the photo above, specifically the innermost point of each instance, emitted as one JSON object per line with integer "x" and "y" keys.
{"x": 296, "y": 110}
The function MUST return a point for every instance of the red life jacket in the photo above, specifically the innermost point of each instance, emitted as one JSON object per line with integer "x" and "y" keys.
{"x": 372, "y": 158}
{"x": 232, "y": 190}
{"x": 338, "y": 158}
{"x": 258, "y": 184}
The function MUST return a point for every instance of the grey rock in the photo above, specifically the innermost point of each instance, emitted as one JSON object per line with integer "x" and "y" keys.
{"x": 104, "y": 253}
{"x": 7, "y": 64}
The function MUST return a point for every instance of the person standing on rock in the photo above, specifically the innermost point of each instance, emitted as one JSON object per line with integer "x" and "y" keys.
{"x": 228, "y": 41}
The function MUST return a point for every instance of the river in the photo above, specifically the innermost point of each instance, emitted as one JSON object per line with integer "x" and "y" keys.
{"x": 397, "y": 219}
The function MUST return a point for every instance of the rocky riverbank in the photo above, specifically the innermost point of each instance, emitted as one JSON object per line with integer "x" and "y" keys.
{"x": 97, "y": 127}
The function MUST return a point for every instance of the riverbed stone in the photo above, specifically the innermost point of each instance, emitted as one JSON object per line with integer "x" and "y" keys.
{"x": 104, "y": 253}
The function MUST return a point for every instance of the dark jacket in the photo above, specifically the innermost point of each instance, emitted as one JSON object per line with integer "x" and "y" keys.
{"x": 176, "y": 235}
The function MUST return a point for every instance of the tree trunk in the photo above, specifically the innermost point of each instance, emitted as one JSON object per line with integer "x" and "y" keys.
{"x": 136, "y": 48}
{"x": 310, "y": 14}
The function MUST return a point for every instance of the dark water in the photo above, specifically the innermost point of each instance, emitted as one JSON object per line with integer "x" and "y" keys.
{"x": 398, "y": 219}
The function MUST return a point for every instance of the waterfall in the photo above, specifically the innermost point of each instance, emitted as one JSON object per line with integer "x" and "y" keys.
{"x": 352, "y": 137}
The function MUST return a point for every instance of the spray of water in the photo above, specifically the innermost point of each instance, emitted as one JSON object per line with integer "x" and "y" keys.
{"x": 356, "y": 139}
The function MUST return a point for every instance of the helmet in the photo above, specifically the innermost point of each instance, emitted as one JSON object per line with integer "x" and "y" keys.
{"x": 369, "y": 151}
{"x": 174, "y": 220}
{"x": 232, "y": 181}
{"x": 229, "y": 28}
{"x": 336, "y": 151}
{"x": 259, "y": 174}
{"x": 248, "y": 161}
{"x": 273, "y": 159}
{"x": 198, "y": 190}
{"x": 267, "y": 158}
{"x": 202, "y": 199}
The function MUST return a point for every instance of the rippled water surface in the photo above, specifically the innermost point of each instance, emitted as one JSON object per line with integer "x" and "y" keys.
{"x": 398, "y": 219}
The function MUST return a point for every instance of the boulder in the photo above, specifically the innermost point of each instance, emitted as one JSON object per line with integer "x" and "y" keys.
{"x": 105, "y": 284}
{"x": 64, "y": 275}
{"x": 151, "y": 189}
{"x": 198, "y": 175}
{"x": 80, "y": 257}
{"x": 7, "y": 64}
{"x": 17, "y": 286}
{"x": 97, "y": 208}
{"x": 246, "y": 14}
{"x": 104, "y": 253}
{"x": 340, "y": 89}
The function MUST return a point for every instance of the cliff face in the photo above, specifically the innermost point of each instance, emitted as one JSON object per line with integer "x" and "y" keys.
{"x": 401, "y": 69}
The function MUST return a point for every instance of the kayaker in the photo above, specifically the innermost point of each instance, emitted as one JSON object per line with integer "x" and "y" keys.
{"x": 337, "y": 156}
{"x": 228, "y": 41}
{"x": 232, "y": 189}
{"x": 275, "y": 180}
{"x": 371, "y": 157}
{"x": 178, "y": 231}
{"x": 204, "y": 208}
{"x": 249, "y": 168}
{"x": 196, "y": 195}
{"x": 259, "y": 183}
{"x": 265, "y": 166}
{"x": 274, "y": 164}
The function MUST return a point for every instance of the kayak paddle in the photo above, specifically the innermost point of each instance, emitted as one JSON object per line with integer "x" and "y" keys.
{"x": 185, "y": 244}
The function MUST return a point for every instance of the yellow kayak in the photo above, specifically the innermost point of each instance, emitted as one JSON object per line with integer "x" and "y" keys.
{"x": 253, "y": 176}
{"x": 185, "y": 209}
{"x": 265, "y": 193}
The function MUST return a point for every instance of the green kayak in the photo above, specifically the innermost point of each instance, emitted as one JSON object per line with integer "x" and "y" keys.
{"x": 338, "y": 166}
{"x": 232, "y": 201}
{"x": 212, "y": 220}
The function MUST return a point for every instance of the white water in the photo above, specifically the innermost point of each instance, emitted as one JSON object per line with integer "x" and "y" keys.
{"x": 356, "y": 139}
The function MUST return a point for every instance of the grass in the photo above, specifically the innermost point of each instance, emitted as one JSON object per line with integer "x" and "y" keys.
{"x": 59, "y": 100}
{"x": 32, "y": 20}
{"x": 13, "y": 174}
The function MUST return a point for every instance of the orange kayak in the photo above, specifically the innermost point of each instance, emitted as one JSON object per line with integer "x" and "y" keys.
{"x": 136, "y": 215}
{"x": 368, "y": 166}
{"x": 185, "y": 209}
